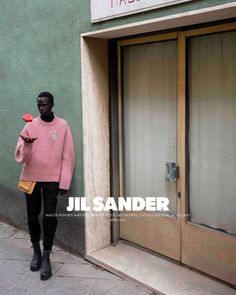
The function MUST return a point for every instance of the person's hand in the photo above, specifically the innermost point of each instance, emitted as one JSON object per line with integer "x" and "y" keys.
{"x": 62, "y": 191}
{"x": 28, "y": 139}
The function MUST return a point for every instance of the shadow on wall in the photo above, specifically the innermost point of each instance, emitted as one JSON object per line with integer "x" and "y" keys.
{"x": 12, "y": 207}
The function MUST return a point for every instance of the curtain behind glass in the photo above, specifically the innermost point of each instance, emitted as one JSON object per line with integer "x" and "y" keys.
{"x": 149, "y": 101}
{"x": 212, "y": 133}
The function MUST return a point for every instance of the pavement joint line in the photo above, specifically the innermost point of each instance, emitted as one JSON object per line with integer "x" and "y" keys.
{"x": 65, "y": 262}
{"x": 52, "y": 261}
{"x": 8, "y": 237}
{"x": 87, "y": 278}
{"x": 14, "y": 259}
{"x": 20, "y": 238}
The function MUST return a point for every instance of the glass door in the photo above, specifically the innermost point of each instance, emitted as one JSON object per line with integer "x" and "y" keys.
{"x": 209, "y": 234}
{"x": 149, "y": 137}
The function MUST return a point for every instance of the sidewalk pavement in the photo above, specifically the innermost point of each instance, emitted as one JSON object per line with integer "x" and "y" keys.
{"x": 71, "y": 274}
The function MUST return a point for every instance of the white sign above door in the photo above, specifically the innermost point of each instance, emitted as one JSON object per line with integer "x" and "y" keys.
{"x": 106, "y": 9}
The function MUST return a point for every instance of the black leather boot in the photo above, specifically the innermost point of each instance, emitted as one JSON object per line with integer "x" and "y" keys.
{"x": 37, "y": 258}
{"x": 46, "y": 271}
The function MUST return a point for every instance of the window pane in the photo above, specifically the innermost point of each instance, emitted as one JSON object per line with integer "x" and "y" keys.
{"x": 150, "y": 91}
{"x": 212, "y": 130}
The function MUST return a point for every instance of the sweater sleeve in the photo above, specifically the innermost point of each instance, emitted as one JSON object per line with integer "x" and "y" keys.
{"x": 68, "y": 161}
{"x": 23, "y": 149}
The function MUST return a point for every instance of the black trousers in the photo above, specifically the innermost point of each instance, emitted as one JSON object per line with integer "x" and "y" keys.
{"x": 46, "y": 191}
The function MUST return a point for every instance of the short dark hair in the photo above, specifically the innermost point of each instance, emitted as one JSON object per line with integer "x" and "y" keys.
{"x": 48, "y": 95}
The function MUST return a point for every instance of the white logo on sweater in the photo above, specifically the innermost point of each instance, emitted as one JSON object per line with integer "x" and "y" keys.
{"x": 53, "y": 135}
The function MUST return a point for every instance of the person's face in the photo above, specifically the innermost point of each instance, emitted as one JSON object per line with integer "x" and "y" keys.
{"x": 44, "y": 106}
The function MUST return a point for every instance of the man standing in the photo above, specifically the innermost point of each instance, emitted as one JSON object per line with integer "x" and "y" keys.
{"x": 46, "y": 148}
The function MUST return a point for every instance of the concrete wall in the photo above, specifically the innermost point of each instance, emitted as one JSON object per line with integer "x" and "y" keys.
{"x": 40, "y": 50}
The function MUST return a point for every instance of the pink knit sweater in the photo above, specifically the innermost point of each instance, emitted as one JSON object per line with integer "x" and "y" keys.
{"x": 51, "y": 158}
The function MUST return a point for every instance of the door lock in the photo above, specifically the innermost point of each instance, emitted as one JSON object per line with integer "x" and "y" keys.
{"x": 172, "y": 171}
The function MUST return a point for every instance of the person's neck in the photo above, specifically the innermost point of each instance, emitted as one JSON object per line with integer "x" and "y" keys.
{"x": 47, "y": 118}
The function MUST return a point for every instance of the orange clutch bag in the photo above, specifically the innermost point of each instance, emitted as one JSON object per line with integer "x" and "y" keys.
{"x": 26, "y": 186}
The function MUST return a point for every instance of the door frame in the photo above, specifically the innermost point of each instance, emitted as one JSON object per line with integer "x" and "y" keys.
{"x": 192, "y": 236}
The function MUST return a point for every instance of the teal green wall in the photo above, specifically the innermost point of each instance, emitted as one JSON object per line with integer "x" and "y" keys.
{"x": 40, "y": 50}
